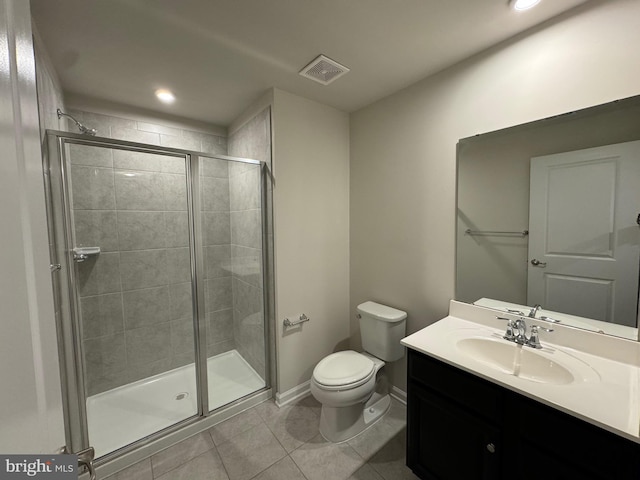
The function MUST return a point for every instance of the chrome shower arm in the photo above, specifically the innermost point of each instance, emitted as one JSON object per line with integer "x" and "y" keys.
{"x": 81, "y": 127}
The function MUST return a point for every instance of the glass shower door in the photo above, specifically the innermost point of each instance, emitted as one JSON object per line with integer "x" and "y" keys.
{"x": 231, "y": 212}
{"x": 129, "y": 225}
{"x": 158, "y": 277}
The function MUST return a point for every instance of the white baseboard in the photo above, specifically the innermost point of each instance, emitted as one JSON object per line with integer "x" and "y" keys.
{"x": 293, "y": 395}
{"x": 398, "y": 394}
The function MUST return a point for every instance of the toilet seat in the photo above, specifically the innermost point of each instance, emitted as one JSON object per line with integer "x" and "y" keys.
{"x": 342, "y": 370}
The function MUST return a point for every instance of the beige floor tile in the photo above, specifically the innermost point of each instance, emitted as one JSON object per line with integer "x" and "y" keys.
{"x": 321, "y": 460}
{"x": 207, "y": 466}
{"x": 376, "y": 437}
{"x": 250, "y": 452}
{"x": 138, "y": 471}
{"x": 235, "y": 425}
{"x": 390, "y": 461}
{"x": 285, "y": 469}
{"x": 180, "y": 453}
{"x": 292, "y": 425}
{"x": 366, "y": 472}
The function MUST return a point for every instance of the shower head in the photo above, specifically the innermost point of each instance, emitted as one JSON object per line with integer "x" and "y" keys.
{"x": 81, "y": 127}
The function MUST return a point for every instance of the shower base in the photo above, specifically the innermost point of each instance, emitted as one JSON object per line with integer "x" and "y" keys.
{"x": 123, "y": 415}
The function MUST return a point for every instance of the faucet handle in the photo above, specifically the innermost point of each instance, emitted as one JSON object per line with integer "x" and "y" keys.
{"x": 534, "y": 339}
{"x": 510, "y": 326}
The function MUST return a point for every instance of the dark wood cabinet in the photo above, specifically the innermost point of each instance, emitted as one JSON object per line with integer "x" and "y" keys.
{"x": 462, "y": 427}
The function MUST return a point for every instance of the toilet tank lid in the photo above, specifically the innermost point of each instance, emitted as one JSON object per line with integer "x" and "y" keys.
{"x": 381, "y": 312}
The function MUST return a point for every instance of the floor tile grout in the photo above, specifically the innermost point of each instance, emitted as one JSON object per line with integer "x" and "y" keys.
{"x": 358, "y": 461}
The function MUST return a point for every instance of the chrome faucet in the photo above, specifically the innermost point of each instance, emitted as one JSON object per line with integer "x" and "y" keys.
{"x": 534, "y": 310}
{"x": 517, "y": 332}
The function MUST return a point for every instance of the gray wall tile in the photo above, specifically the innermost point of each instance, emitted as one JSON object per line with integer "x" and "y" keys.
{"x": 143, "y": 268}
{"x": 139, "y": 371}
{"x": 101, "y": 315}
{"x": 92, "y": 188}
{"x": 219, "y": 348}
{"x": 174, "y": 191}
{"x": 218, "y": 294}
{"x": 246, "y": 228}
{"x": 132, "y": 160}
{"x": 244, "y": 190}
{"x": 180, "y": 301}
{"x": 177, "y": 229}
{"x": 141, "y": 230}
{"x": 90, "y": 156}
{"x": 105, "y": 123}
{"x": 172, "y": 164}
{"x": 184, "y": 143}
{"x": 96, "y": 228}
{"x": 219, "y": 326}
{"x": 155, "y": 128}
{"x": 212, "y": 167}
{"x": 215, "y": 145}
{"x": 178, "y": 265}
{"x": 218, "y": 261}
{"x": 215, "y": 194}
{"x": 216, "y": 227}
{"x": 104, "y": 359}
{"x": 182, "y": 337}
{"x": 145, "y": 307}
{"x": 148, "y": 344}
{"x": 137, "y": 190}
{"x": 247, "y": 264}
{"x": 134, "y": 135}
{"x": 99, "y": 274}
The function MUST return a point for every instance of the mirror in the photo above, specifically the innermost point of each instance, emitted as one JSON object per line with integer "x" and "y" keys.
{"x": 547, "y": 214}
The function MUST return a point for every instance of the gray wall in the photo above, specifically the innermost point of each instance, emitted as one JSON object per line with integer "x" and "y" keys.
{"x": 403, "y": 148}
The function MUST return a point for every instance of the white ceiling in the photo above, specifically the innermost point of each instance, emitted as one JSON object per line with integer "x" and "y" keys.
{"x": 218, "y": 56}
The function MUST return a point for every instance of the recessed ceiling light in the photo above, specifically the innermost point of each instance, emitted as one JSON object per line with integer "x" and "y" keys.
{"x": 523, "y": 4}
{"x": 165, "y": 96}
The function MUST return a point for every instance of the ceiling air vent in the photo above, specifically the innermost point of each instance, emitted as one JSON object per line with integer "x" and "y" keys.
{"x": 323, "y": 70}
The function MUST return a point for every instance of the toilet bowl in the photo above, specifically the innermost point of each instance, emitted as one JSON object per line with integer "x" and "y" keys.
{"x": 351, "y": 386}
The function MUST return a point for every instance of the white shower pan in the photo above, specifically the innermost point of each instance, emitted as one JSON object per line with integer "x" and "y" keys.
{"x": 123, "y": 415}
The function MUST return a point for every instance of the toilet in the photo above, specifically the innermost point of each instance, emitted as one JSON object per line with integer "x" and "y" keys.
{"x": 350, "y": 385}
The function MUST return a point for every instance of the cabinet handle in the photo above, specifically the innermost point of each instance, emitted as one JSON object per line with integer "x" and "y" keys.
{"x": 491, "y": 447}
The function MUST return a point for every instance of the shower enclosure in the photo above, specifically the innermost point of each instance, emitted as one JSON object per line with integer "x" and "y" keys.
{"x": 158, "y": 261}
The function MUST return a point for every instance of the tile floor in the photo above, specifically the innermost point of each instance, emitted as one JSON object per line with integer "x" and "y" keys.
{"x": 271, "y": 443}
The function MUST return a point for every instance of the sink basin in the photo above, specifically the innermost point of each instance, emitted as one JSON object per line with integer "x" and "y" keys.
{"x": 549, "y": 367}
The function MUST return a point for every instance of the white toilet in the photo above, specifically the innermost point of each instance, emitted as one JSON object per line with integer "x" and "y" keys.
{"x": 348, "y": 384}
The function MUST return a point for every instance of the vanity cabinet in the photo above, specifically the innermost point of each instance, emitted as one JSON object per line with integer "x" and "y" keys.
{"x": 460, "y": 426}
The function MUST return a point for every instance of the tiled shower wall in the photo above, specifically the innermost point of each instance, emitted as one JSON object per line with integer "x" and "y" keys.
{"x": 136, "y": 295}
{"x": 252, "y": 140}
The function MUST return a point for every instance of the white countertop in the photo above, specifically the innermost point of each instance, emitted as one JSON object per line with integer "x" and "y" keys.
{"x": 605, "y": 393}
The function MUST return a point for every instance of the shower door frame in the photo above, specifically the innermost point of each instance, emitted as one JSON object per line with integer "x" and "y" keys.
{"x": 63, "y": 271}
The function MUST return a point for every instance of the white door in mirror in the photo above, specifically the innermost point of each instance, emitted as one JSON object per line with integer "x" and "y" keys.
{"x": 584, "y": 242}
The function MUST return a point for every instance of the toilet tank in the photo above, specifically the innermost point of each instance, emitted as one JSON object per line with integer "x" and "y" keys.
{"x": 381, "y": 329}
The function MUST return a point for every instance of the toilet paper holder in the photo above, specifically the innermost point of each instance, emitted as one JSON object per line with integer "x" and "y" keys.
{"x": 301, "y": 319}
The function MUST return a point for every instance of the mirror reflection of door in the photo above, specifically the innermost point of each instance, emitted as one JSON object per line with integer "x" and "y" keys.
{"x": 584, "y": 238}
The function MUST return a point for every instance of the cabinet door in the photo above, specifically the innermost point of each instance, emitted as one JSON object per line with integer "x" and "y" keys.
{"x": 542, "y": 442}
{"x": 447, "y": 443}
{"x": 530, "y": 462}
